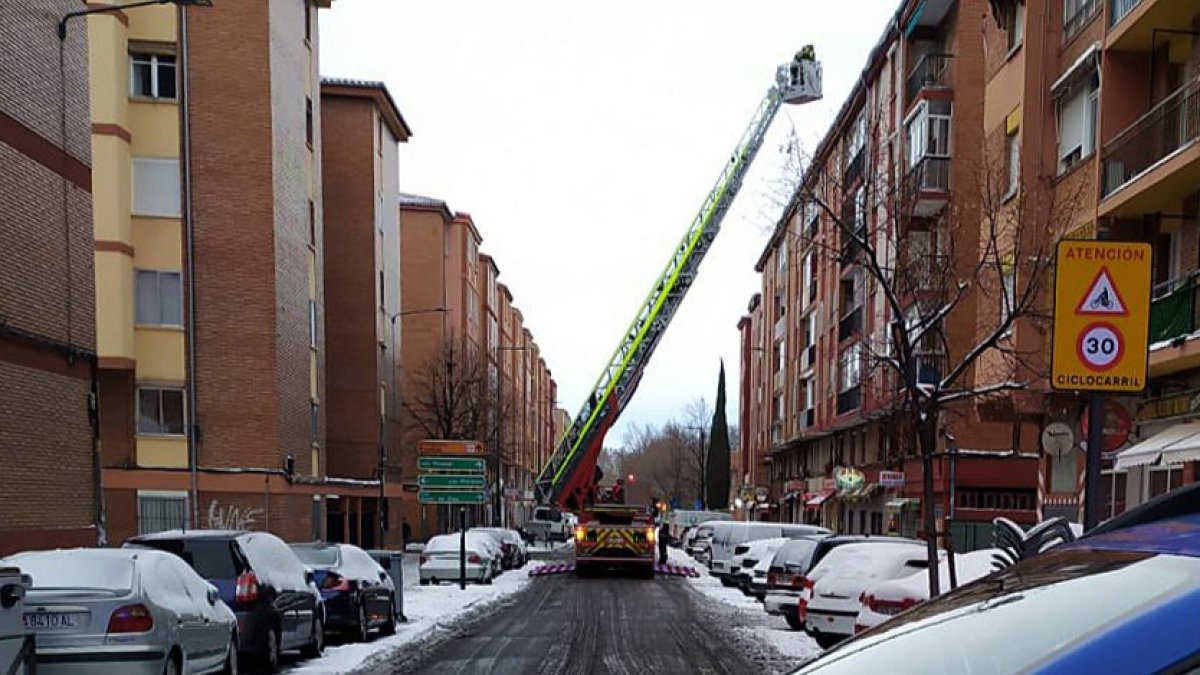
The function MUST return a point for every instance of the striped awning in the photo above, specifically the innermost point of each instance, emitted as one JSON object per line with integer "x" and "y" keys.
{"x": 1179, "y": 443}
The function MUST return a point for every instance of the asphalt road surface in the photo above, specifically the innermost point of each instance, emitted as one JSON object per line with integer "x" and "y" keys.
{"x": 601, "y": 625}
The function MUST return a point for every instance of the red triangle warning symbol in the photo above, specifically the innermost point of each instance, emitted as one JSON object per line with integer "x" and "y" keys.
{"x": 1102, "y": 297}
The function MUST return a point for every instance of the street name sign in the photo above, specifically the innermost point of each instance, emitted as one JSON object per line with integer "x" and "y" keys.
{"x": 1101, "y": 316}
{"x": 438, "y": 447}
{"x": 451, "y": 497}
{"x": 450, "y": 464}
{"x": 451, "y": 481}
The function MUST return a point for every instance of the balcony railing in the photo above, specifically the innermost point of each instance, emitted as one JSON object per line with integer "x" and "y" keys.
{"x": 1168, "y": 406}
{"x": 851, "y": 324}
{"x": 1120, "y": 9}
{"x": 929, "y": 72}
{"x": 930, "y": 174}
{"x": 849, "y": 400}
{"x": 1167, "y": 127}
{"x": 1073, "y": 23}
{"x": 1173, "y": 311}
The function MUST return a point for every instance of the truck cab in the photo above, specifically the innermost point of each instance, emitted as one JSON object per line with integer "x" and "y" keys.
{"x": 616, "y": 536}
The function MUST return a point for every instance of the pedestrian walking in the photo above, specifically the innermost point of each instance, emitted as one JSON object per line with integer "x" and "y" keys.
{"x": 405, "y": 533}
{"x": 664, "y": 531}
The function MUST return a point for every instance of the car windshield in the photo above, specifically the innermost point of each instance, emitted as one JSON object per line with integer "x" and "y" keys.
{"x": 75, "y": 569}
{"x": 211, "y": 558}
{"x": 319, "y": 556}
{"x": 1012, "y": 621}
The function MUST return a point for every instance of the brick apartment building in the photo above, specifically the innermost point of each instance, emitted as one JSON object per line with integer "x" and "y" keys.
{"x": 209, "y": 269}
{"x": 50, "y": 495}
{"x": 453, "y": 300}
{"x": 812, "y": 409}
{"x": 361, "y": 127}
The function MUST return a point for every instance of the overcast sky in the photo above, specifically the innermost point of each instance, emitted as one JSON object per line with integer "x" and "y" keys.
{"x": 583, "y": 136}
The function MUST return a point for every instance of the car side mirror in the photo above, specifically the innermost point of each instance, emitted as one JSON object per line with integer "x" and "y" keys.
{"x": 309, "y": 577}
{"x": 213, "y": 594}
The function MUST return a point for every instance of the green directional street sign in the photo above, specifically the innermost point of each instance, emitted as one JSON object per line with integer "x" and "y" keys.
{"x": 451, "y": 497}
{"x": 450, "y": 481}
{"x": 450, "y": 463}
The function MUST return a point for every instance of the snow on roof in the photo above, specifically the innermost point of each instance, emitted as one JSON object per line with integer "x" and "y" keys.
{"x": 192, "y": 534}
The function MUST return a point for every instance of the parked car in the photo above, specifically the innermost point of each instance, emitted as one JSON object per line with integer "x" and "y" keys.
{"x": 727, "y": 535}
{"x": 359, "y": 595}
{"x": 1122, "y": 599}
{"x": 682, "y": 520}
{"x": 699, "y": 543}
{"x": 785, "y": 578}
{"x": 273, "y": 594}
{"x": 886, "y": 599}
{"x": 758, "y": 578}
{"x": 126, "y": 611}
{"x": 440, "y": 560}
{"x": 515, "y": 553}
{"x": 834, "y": 587}
{"x": 749, "y": 554}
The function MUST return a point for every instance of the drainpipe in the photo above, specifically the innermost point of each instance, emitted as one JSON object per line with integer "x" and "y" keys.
{"x": 189, "y": 269}
{"x": 97, "y": 464}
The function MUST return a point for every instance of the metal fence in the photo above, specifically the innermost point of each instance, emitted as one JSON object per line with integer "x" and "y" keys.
{"x": 930, "y": 71}
{"x": 1165, "y": 128}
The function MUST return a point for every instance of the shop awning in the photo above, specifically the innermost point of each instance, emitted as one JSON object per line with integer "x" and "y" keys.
{"x": 1178, "y": 443}
{"x": 901, "y": 502}
{"x": 818, "y": 499}
{"x": 859, "y": 493}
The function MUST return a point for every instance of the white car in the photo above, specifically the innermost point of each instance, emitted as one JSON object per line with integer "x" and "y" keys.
{"x": 785, "y": 579}
{"x": 125, "y": 610}
{"x": 749, "y": 554}
{"x": 833, "y": 589}
{"x": 728, "y": 535}
{"x": 888, "y": 598}
{"x": 440, "y": 560}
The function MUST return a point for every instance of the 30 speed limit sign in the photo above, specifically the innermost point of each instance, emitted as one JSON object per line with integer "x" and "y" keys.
{"x": 1100, "y": 346}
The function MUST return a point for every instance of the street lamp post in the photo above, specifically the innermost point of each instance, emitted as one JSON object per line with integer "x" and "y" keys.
{"x": 386, "y": 437}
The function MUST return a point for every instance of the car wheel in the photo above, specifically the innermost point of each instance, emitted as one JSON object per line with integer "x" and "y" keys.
{"x": 316, "y": 646}
{"x": 794, "y": 622}
{"x": 827, "y": 640}
{"x": 424, "y": 582}
{"x": 389, "y": 626}
{"x": 362, "y": 631}
{"x": 487, "y": 580}
{"x": 231, "y": 657}
{"x": 269, "y": 659}
{"x": 172, "y": 666}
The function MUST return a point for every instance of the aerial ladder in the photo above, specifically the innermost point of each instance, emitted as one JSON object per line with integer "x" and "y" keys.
{"x": 613, "y": 533}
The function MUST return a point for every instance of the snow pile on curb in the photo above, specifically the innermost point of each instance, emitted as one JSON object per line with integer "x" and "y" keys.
{"x": 748, "y": 618}
{"x": 429, "y": 609}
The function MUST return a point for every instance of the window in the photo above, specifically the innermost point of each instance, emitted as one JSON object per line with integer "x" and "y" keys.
{"x": 156, "y": 188}
{"x": 851, "y": 367}
{"x": 1012, "y": 158}
{"x": 160, "y": 411}
{"x": 152, "y": 75}
{"x": 312, "y": 224}
{"x": 159, "y": 298}
{"x": 1076, "y": 14}
{"x": 382, "y": 295}
{"x": 1077, "y": 109}
{"x": 1160, "y": 479}
{"x": 1008, "y": 295}
{"x": 308, "y": 121}
{"x": 313, "y": 328}
{"x": 315, "y": 423}
{"x": 782, "y": 256}
{"x": 928, "y": 131}
{"x": 1016, "y": 25}
{"x": 810, "y": 275}
{"x": 777, "y": 356}
{"x": 161, "y": 511}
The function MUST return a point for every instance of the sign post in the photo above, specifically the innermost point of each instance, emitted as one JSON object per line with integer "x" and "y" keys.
{"x": 452, "y": 475}
{"x": 1101, "y": 333}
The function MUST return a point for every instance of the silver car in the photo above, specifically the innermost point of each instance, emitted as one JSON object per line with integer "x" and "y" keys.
{"x": 125, "y": 611}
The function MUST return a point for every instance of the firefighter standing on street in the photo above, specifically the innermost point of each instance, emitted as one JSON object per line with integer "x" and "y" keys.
{"x": 664, "y": 531}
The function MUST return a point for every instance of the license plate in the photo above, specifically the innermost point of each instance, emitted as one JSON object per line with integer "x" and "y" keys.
{"x": 784, "y": 579}
{"x": 51, "y": 621}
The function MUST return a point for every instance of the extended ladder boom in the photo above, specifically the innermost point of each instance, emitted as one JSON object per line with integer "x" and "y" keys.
{"x": 570, "y": 474}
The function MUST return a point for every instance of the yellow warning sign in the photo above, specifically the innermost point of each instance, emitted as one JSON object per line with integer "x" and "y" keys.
{"x": 1101, "y": 316}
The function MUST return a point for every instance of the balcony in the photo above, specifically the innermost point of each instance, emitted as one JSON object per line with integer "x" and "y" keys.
{"x": 1084, "y": 12}
{"x": 850, "y": 324}
{"x": 928, "y": 185}
{"x": 1155, "y": 160}
{"x": 849, "y": 400}
{"x": 930, "y": 73}
{"x": 1173, "y": 317}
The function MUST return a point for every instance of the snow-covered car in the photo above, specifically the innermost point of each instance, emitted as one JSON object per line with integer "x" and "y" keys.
{"x": 125, "y": 611}
{"x": 699, "y": 544}
{"x": 440, "y": 560}
{"x": 512, "y": 545}
{"x": 785, "y": 579}
{"x": 358, "y": 593}
{"x": 758, "y": 577}
{"x": 834, "y": 587}
{"x": 749, "y": 554}
{"x": 886, "y": 599}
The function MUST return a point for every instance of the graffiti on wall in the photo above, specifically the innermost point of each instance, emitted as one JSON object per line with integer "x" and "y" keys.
{"x": 231, "y": 517}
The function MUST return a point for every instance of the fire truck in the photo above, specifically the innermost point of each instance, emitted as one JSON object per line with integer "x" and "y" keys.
{"x": 615, "y": 534}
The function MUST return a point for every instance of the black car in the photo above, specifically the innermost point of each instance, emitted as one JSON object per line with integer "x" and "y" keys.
{"x": 359, "y": 595}
{"x": 510, "y": 543}
{"x": 273, "y": 594}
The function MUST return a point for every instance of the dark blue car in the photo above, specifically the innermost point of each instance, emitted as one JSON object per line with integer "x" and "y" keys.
{"x": 1124, "y": 599}
{"x": 359, "y": 595}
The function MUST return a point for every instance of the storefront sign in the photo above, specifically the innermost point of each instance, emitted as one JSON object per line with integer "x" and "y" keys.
{"x": 846, "y": 478}
{"x": 891, "y": 479}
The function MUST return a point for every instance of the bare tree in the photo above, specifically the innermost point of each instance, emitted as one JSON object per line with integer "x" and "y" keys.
{"x": 697, "y": 416}
{"x": 946, "y": 288}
